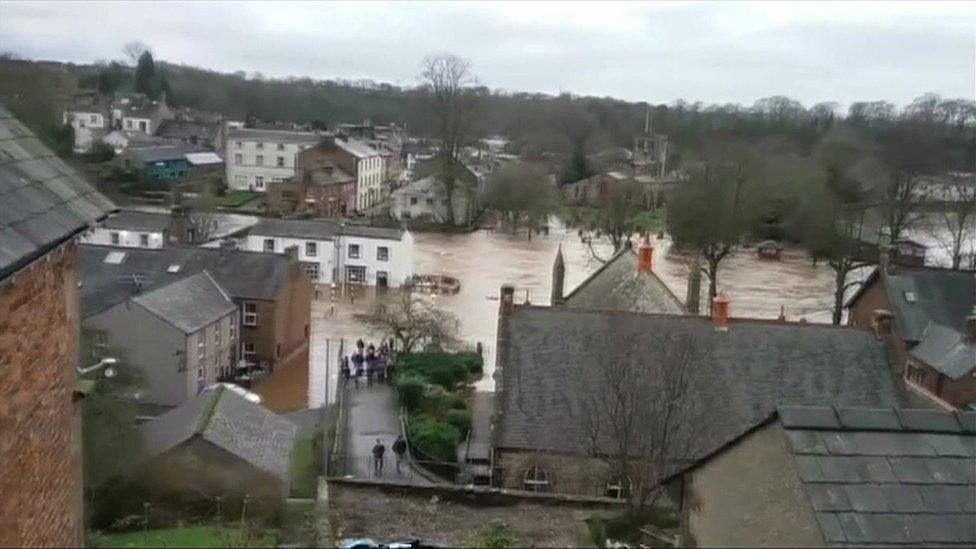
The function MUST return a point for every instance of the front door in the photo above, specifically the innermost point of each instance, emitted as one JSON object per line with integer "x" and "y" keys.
{"x": 381, "y": 279}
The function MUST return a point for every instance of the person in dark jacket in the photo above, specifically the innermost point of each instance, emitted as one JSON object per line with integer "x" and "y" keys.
{"x": 378, "y": 450}
{"x": 400, "y": 450}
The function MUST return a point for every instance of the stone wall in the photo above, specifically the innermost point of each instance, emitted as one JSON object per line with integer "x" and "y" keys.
{"x": 568, "y": 474}
{"x": 40, "y": 481}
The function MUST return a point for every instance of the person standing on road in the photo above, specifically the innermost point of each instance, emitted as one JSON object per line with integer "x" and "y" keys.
{"x": 357, "y": 361}
{"x": 378, "y": 450}
{"x": 400, "y": 449}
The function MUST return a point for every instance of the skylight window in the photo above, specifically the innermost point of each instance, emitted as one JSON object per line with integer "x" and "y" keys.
{"x": 910, "y": 297}
{"x": 174, "y": 268}
{"x": 115, "y": 258}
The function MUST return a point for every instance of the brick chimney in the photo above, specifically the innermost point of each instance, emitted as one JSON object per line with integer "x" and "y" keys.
{"x": 506, "y": 303}
{"x": 720, "y": 312}
{"x": 645, "y": 255}
{"x": 881, "y": 322}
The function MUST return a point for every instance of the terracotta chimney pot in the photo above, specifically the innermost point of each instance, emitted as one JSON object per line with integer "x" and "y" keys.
{"x": 720, "y": 312}
{"x": 645, "y": 255}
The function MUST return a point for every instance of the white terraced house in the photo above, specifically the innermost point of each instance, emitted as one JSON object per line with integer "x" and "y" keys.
{"x": 369, "y": 169}
{"x": 338, "y": 252}
{"x": 258, "y": 157}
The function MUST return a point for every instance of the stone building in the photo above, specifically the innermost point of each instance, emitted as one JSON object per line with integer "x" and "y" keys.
{"x": 926, "y": 315}
{"x": 325, "y": 184}
{"x": 554, "y": 365}
{"x": 837, "y": 476}
{"x": 44, "y": 204}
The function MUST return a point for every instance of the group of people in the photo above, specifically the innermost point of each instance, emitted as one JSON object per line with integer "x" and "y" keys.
{"x": 379, "y": 450}
{"x": 369, "y": 361}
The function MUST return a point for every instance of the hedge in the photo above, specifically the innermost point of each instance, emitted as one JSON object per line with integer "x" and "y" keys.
{"x": 461, "y": 420}
{"x": 434, "y": 438}
{"x": 410, "y": 389}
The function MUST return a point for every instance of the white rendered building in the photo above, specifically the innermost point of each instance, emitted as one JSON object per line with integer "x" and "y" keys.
{"x": 130, "y": 229}
{"x": 370, "y": 172}
{"x": 254, "y": 158}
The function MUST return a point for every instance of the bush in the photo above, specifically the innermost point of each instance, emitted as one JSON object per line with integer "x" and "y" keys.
{"x": 100, "y": 152}
{"x": 461, "y": 420}
{"x": 410, "y": 389}
{"x": 439, "y": 368}
{"x": 472, "y": 361}
{"x": 494, "y": 535}
{"x": 434, "y": 438}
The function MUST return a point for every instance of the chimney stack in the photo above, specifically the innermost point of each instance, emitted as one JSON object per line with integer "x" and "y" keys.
{"x": 645, "y": 255}
{"x": 558, "y": 278}
{"x": 720, "y": 312}
{"x": 507, "y": 301}
{"x": 881, "y": 322}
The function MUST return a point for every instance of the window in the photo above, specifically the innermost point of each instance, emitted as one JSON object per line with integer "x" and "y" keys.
{"x": 617, "y": 488}
{"x": 142, "y": 126}
{"x": 240, "y": 145}
{"x": 250, "y": 314}
{"x": 269, "y": 245}
{"x": 233, "y": 332}
{"x": 202, "y": 347}
{"x": 100, "y": 339}
{"x": 94, "y": 119}
{"x": 910, "y": 296}
{"x": 312, "y": 268}
{"x": 259, "y": 181}
{"x": 200, "y": 373}
{"x": 311, "y": 249}
{"x": 536, "y": 479}
{"x": 174, "y": 268}
{"x": 413, "y": 200}
{"x": 128, "y": 124}
{"x": 144, "y": 240}
{"x": 259, "y": 160}
{"x": 114, "y": 258}
{"x": 430, "y": 201}
{"x": 914, "y": 374}
{"x": 115, "y": 238}
{"x": 355, "y": 275}
{"x": 383, "y": 253}
{"x": 281, "y": 161}
{"x": 281, "y": 146}
{"x": 238, "y": 158}
{"x": 259, "y": 145}
{"x": 248, "y": 350}
{"x": 217, "y": 337}
{"x": 354, "y": 251}
{"x": 240, "y": 180}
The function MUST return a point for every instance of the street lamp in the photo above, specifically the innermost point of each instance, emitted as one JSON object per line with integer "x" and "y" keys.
{"x": 106, "y": 363}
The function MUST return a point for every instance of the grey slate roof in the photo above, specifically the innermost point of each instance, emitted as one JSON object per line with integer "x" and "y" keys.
{"x": 132, "y": 220}
{"x": 157, "y": 154}
{"x": 230, "y": 422}
{"x": 43, "y": 201}
{"x": 356, "y": 148}
{"x": 550, "y": 358}
{"x": 887, "y": 477}
{"x": 243, "y": 275}
{"x": 188, "y": 304}
{"x": 942, "y": 296}
{"x": 320, "y": 229}
{"x": 275, "y": 136}
{"x": 618, "y": 285}
{"x": 946, "y": 350}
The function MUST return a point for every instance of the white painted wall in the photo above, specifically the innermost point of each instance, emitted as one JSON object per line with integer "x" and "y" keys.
{"x": 126, "y": 239}
{"x": 243, "y": 170}
{"x": 369, "y": 181}
{"x": 133, "y": 124}
{"x": 85, "y": 125}
{"x": 398, "y": 266}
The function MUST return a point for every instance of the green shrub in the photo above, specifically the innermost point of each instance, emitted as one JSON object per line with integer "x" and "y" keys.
{"x": 434, "y": 438}
{"x": 410, "y": 389}
{"x": 494, "y": 535}
{"x": 472, "y": 361}
{"x": 458, "y": 403}
{"x": 461, "y": 420}
{"x": 100, "y": 152}
{"x": 439, "y": 368}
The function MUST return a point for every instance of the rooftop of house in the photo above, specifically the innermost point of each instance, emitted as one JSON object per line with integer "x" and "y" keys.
{"x": 187, "y": 128}
{"x": 884, "y": 476}
{"x": 244, "y": 275}
{"x": 204, "y": 158}
{"x": 947, "y": 350}
{"x": 188, "y": 304}
{"x": 142, "y": 109}
{"x": 136, "y": 137}
{"x": 553, "y": 359}
{"x": 423, "y": 185}
{"x": 43, "y": 201}
{"x": 321, "y": 229}
{"x": 276, "y": 136}
{"x": 158, "y": 154}
{"x": 619, "y": 285}
{"x": 329, "y": 175}
{"x": 230, "y": 422}
{"x": 357, "y": 148}
{"x": 920, "y": 296}
{"x": 133, "y": 220}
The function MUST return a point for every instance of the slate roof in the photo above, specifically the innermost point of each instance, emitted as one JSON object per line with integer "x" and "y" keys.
{"x": 243, "y": 275}
{"x": 204, "y": 158}
{"x": 942, "y": 296}
{"x": 356, "y": 148}
{"x": 550, "y": 360}
{"x": 157, "y": 154}
{"x": 275, "y": 136}
{"x": 132, "y": 220}
{"x": 620, "y": 286}
{"x": 228, "y": 421}
{"x": 335, "y": 176}
{"x": 947, "y": 351}
{"x": 43, "y": 201}
{"x": 188, "y": 304}
{"x": 320, "y": 229}
{"x": 186, "y": 129}
{"x": 887, "y": 477}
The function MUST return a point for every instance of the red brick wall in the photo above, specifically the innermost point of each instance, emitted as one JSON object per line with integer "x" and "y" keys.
{"x": 871, "y": 299}
{"x": 40, "y": 500}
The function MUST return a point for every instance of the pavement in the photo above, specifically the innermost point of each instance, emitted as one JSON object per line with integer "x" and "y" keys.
{"x": 372, "y": 414}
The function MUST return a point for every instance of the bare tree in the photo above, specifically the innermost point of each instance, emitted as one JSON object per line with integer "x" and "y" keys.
{"x": 634, "y": 412}
{"x": 954, "y": 223}
{"x": 412, "y": 321}
{"x": 201, "y": 218}
{"x": 449, "y": 80}
{"x": 134, "y": 50}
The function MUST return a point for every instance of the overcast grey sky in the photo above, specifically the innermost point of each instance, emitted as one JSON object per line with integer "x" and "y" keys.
{"x": 657, "y": 52}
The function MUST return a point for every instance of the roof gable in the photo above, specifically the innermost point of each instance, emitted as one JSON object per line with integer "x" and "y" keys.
{"x": 619, "y": 285}
{"x": 188, "y": 304}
